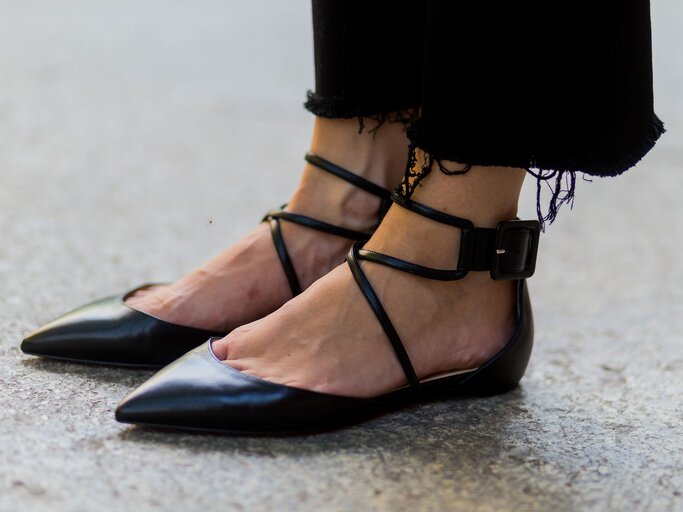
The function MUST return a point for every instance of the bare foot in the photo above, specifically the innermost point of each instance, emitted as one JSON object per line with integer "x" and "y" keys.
{"x": 328, "y": 339}
{"x": 246, "y": 281}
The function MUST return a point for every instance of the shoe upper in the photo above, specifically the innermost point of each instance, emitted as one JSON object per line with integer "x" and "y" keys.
{"x": 200, "y": 392}
{"x": 108, "y": 331}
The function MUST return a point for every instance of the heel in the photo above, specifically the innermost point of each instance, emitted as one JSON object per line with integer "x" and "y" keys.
{"x": 503, "y": 372}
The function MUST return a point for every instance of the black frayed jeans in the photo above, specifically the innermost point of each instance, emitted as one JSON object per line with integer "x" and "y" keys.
{"x": 558, "y": 87}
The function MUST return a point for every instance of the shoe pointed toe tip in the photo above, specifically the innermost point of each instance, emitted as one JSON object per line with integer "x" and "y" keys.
{"x": 127, "y": 413}
{"x": 110, "y": 333}
{"x": 38, "y": 342}
{"x": 50, "y": 341}
{"x": 134, "y": 410}
{"x": 27, "y": 347}
{"x": 121, "y": 415}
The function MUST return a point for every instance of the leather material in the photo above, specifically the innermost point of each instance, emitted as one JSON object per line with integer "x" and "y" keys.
{"x": 199, "y": 392}
{"x": 110, "y": 332}
{"x": 354, "y": 179}
{"x": 410, "y": 267}
{"x": 477, "y": 249}
{"x": 274, "y": 217}
{"x": 358, "y": 181}
{"x": 381, "y": 315}
{"x": 507, "y": 251}
{"x": 285, "y": 259}
{"x": 431, "y": 213}
{"x": 316, "y": 224}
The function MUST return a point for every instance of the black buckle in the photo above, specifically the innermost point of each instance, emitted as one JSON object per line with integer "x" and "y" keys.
{"x": 515, "y": 249}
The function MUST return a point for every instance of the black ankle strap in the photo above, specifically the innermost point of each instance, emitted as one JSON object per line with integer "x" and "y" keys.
{"x": 507, "y": 251}
{"x": 275, "y": 216}
{"x": 354, "y": 179}
{"x": 377, "y": 308}
{"x": 318, "y": 225}
{"x": 431, "y": 213}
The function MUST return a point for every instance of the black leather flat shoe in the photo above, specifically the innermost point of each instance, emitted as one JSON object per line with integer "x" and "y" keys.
{"x": 199, "y": 392}
{"x": 112, "y": 333}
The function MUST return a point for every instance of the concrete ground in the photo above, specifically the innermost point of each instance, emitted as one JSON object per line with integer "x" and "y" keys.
{"x": 139, "y": 137}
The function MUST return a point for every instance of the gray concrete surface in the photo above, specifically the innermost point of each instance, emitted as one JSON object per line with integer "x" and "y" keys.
{"x": 137, "y": 138}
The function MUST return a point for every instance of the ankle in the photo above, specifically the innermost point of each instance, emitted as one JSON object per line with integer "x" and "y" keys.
{"x": 332, "y": 200}
{"x": 485, "y": 195}
{"x": 380, "y": 156}
{"x": 417, "y": 239}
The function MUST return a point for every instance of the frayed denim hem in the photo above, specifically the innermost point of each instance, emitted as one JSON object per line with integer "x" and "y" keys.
{"x": 338, "y": 107}
{"x": 558, "y": 175}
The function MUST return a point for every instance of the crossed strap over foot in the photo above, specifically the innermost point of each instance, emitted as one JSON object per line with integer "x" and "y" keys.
{"x": 507, "y": 252}
{"x": 274, "y": 217}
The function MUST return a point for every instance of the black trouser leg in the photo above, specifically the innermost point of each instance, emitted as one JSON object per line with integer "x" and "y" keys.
{"x": 368, "y": 56}
{"x": 562, "y": 87}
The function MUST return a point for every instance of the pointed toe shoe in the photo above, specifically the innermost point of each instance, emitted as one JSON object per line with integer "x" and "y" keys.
{"x": 199, "y": 392}
{"x": 110, "y": 332}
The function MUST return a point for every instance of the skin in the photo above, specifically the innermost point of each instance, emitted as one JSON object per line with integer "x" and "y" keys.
{"x": 327, "y": 339}
{"x": 246, "y": 282}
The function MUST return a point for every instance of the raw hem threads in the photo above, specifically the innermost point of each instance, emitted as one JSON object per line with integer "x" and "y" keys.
{"x": 412, "y": 178}
{"x": 338, "y": 107}
{"x": 558, "y": 175}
